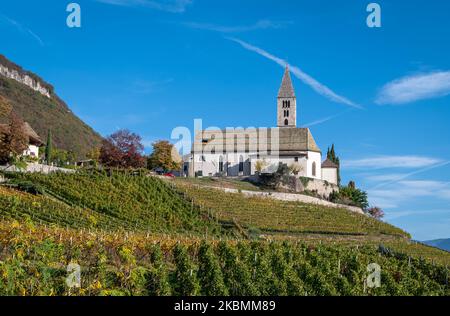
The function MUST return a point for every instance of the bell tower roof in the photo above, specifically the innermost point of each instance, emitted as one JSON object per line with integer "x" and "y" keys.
{"x": 286, "y": 88}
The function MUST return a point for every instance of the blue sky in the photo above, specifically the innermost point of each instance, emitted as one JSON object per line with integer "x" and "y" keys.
{"x": 381, "y": 95}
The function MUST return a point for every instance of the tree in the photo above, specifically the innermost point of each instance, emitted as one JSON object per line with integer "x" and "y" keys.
{"x": 49, "y": 148}
{"x": 274, "y": 180}
{"x": 122, "y": 149}
{"x": 376, "y": 212}
{"x": 331, "y": 155}
{"x": 295, "y": 168}
{"x": 14, "y": 140}
{"x": 260, "y": 165}
{"x": 164, "y": 156}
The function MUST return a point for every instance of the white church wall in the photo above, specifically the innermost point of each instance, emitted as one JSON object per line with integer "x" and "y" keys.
{"x": 330, "y": 175}
{"x": 314, "y": 158}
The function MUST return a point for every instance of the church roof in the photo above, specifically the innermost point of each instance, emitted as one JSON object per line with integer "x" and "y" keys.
{"x": 286, "y": 140}
{"x": 28, "y": 130}
{"x": 286, "y": 88}
{"x": 329, "y": 164}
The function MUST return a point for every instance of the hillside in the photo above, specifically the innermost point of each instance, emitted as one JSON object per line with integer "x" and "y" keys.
{"x": 439, "y": 243}
{"x": 135, "y": 234}
{"x": 42, "y": 112}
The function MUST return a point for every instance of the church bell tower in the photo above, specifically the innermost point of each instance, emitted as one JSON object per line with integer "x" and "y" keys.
{"x": 286, "y": 102}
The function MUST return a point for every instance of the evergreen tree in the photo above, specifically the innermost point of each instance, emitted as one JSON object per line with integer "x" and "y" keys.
{"x": 331, "y": 155}
{"x": 49, "y": 148}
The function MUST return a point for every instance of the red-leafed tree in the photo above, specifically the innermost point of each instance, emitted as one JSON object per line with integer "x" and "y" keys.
{"x": 122, "y": 149}
{"x": 376, "y": 212}
{"x": 13, "y": 140}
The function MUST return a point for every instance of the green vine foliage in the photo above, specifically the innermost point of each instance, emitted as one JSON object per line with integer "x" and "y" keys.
{"x": 209, "y": 273}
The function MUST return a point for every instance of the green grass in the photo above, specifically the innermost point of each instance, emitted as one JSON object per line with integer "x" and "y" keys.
{"x": 219, "y": 182}
{"x": 34, "y": 260}
{"x": 274, "y": 216}
{"x": 99, "y": 200}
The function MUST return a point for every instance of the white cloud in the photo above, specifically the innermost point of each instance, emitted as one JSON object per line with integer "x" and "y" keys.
{"x": 384, "y": 162}
{"x": 407, "y": 191}
{"x": 386, "y": 177}
{"x": 307, "y": 79}
{"x": 22, "y": 28}
{"x": 260, "y": 25}
{"x": 414, "y": 88}
{"x": 173, "y": 6}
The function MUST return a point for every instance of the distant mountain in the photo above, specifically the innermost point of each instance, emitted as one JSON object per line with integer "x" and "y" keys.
{"x": 439, "y": 243}
{"x": 36, "y": 102}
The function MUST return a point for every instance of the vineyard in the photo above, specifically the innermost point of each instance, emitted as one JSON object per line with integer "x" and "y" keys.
{"x": 273, "y": 216}
{"x": 104, "y": 201}
{"x": 132, "y": 234}
{"x": 34, "y": 261}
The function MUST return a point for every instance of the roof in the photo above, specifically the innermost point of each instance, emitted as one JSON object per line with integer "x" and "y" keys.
{"x": 286, "y": 88}
{"x": 29, "y": 131}
{"x": 285, "y": 140}
{"x": 329, "y": 164}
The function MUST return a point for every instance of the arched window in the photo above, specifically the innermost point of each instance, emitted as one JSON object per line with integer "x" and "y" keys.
{"x": 288, "y": 104}
{"x": 314, "y": 169}
{"x": 286, "y": 122}
{"x": 287, "y": 115}
{"x": 241, "y": 164}
{"x": 220, "y": 164}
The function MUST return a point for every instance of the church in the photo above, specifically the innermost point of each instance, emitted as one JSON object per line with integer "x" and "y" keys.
{"x": 245, "y": 152}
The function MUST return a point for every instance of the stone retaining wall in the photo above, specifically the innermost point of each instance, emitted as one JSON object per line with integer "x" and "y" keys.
{"x": 292, "y": 197}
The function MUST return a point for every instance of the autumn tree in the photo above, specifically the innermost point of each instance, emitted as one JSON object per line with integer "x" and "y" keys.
{"x": 13, "y": 140}
{"x": 164, "y": 156}
{"x": 122, "y": 149}
{"x": 376, "y": 212}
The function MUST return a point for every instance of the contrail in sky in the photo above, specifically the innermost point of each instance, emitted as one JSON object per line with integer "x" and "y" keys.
{"x": 313, "y": 83}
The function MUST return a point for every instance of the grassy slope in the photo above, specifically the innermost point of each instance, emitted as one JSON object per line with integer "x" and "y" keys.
{"x": 132, "y": 203}
{"x": 271, "y": 216}
{"x": 33, "y": 261}
{"x": 119, "y": 253}
{"x": 69, "y": 132}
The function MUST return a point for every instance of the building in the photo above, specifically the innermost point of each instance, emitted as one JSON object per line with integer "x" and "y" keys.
{"x": 34, "y": 141}
{"x": 244, "y": 152}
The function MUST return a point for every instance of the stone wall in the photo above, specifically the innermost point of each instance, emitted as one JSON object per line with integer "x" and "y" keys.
{"x": 320, "y": 187}
{"x": 292, "y": 197}
{"x": 35, "y": 167}
{"x": 24, "y": 79}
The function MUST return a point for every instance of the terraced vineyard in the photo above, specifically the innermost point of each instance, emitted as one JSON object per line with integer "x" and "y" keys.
{"x": 273, "y": 216}
{"x": 34, "y": 260}
{"x": 99, "y": 200}
{"x": 138, "y": 235}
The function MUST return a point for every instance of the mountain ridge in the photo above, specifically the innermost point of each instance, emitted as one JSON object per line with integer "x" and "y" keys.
{"x": 443, "y": 244}
{"x": 26, "y": 94}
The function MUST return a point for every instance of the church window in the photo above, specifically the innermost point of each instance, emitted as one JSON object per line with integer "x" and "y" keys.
{"x": 288, "y": 104}
{"x": 221, "y": 164}
{"x": 286, "y": 122}
{"x": 241, "y": 164}
{"x": 314, "y": 169}
{"x": 287, "y": 113}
